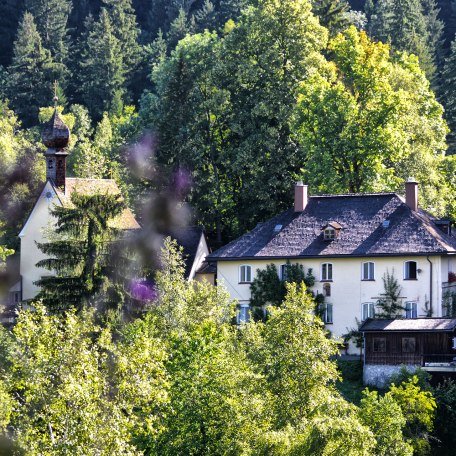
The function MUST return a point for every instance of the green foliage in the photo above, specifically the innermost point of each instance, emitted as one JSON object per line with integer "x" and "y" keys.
{"x": 333, "y": 14}
{"x": 80, "y": 256}
{"x": 269, "y": 289}
{"x": 51, "y": 19}
{"x": 445, "y": 418}
{"x": 79, "y": 401}
{"x": 448, "y": 93}
{"x": 101, "y": 71}
{"x": 30, "y": 72}
{"x": 390, "y": 301}
{"x": 370, "y": 121}
{"x": 409, "y": 25}
{"x": 385, "y": 419}
{"x": 418, "y": 408}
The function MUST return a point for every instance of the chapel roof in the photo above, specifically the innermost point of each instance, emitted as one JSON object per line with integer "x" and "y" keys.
{"x": 125, "y": 221}
{"x": 55, "y": 135}
{"x": 371, "y": 224}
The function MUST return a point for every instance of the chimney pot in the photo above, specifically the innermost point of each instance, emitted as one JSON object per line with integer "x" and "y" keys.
{"x": 411, "y": 193}
{"x": 301, "y": 197}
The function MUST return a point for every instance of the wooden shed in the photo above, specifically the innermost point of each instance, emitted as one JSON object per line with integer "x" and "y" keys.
{"x": 425, "y": 342}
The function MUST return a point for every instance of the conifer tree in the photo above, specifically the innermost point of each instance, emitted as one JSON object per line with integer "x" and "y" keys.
{"x": 332, "y": 14}
{"x": 10, "y": 13}
{"x": 31, "y": 72}
{"x": 51, "y": 18}
{"x": 101, "y": 70}
{"x": 125, "y": 29}
{"x": 449, "y": 95}
{"x": 180, "y": 27}
{"x": 79, "y": 256}
{"x": 409, "y": 25}
{"x": 389, "y": 302}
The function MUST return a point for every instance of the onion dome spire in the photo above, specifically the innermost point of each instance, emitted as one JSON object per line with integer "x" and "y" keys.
{"x": 56, "y": 135}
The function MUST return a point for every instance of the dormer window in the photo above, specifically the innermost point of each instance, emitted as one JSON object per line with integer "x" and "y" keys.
{"x": 329, "y": 234}
{"x": 331, "y": 231}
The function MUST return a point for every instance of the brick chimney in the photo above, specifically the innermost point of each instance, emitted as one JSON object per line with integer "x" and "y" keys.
{"x": 300, "y": 199}
{"x": 411, "y": 193}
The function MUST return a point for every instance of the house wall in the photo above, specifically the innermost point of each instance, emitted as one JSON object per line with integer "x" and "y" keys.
{"x": 201, "y": 253}
{"x": 34, "y": 231}
{"x": 348, "y": 291}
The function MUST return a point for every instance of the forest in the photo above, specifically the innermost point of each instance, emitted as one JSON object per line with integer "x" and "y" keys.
{"x": 243, "y": 97}
{"x": 219, "y": 106}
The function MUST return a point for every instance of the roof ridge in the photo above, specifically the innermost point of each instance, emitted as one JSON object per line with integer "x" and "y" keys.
{"x": 337, "y": 195}
{"x": 89, "y": 179}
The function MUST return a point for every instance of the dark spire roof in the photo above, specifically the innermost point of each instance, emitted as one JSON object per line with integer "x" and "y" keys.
{"x": 56, "y": 135}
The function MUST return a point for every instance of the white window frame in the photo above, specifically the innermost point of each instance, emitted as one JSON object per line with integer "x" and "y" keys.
{"x": 243, "y": 313}
{"x": 370, "y": 270}
{"x": 243, "y": 275}
{"x": 328, "y": 313}
{"x": 370, "y": 313}
{"x": 407, "y": 270}
{"x": 329, "y": 233}
{"x": 411, "y": 310}
{"x": 325, "y": 270}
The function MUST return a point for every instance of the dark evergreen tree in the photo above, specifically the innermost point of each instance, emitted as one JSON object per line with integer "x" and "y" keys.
{"x": 10, "y": 13}
{"x": 409, "y": 25}
{"x": 80, "y": 258}
{"x": 51, "y": 18}
{"x": 332, "y": 14}
{"x": 389, "y": 303}
{"x": 448, "y": 95}
{"x": 79, "y": 12}
{"x": 125, "y": 29}
{"x": 180, "y": 27}
{"x": 31, "y": 72}
{"x": 100, "y": 74}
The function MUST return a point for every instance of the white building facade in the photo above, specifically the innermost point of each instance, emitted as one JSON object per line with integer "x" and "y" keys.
{"x": 349, "y": 242}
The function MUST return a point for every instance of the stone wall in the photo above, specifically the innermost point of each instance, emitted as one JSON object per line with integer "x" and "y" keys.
{"x": 380, "y": 375}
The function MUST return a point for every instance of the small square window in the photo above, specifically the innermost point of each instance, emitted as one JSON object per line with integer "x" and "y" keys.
{"x": 329, "y": 234}
{"x": 379, "y": 345}
{"x": 408, "y": 345}
{"x": 245, "y": 274}
{"x": 411, "y": 310}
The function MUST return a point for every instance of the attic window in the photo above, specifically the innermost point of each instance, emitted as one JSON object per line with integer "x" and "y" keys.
{"x": 329, "y": 234}
{"x": 386, "y": 223}
{"x": 331, "y": 231}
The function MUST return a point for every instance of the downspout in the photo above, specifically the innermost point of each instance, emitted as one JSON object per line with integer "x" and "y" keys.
{"x": 430, "y": 286}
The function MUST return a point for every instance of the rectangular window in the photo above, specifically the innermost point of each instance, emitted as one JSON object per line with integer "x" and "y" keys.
{"x": 368, "y": 310}
{"x": 379, "y": 345}
{"x": 284, "y": 271}
{"x": 411, "y": 310}
{"x": 368, "y": 271}
{"x": 329, "y": 234}
{"x": 243, "y": 315}
{"x": 410, "y": 270}
{"x": 325, "y": 312}
{"x": 245, "y": 274}
{"x": 326, "y": 271}
{"x": 408, "y": 345}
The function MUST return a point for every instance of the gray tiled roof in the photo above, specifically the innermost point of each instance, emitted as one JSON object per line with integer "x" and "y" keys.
{"x": 416, "y": 324}
{"x": 363, "y": 232}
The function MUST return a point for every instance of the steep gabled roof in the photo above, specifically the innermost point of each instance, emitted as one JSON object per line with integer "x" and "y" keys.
{"x": 125, "y": 221}
{"x": 412, "y": 324}
{"x": 364, "y": 232}
{"x": 189, "y": 238}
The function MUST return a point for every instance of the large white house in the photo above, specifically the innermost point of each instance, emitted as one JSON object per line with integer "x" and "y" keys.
{"x": 350, "y": 242}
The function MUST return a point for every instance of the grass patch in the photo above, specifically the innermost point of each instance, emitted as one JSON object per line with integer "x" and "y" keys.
{"x": 351, "y": 385}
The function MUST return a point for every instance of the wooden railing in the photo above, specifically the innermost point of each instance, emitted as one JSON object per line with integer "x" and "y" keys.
{"x": 416, "y": 359}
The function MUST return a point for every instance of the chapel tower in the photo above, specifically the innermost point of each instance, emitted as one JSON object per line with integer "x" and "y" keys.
{"x": 56, "y": 136}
